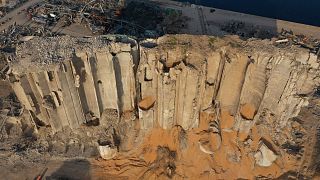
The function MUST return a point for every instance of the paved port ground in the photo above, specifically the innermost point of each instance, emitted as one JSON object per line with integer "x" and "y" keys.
{"x": 203, "y": 21}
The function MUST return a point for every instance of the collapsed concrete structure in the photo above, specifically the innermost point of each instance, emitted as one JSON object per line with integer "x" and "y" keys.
{"x": 151, "y": 107}
{"x": 65, "y": 82}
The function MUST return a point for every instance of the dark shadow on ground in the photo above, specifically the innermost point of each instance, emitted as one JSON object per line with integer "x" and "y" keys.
{"x": 77, "y": 169}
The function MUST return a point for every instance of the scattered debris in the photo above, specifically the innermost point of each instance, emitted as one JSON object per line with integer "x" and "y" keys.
{"x": 138, "y": 19}
{"x": 288, "y": 38}
{"x": 282, "y": 40}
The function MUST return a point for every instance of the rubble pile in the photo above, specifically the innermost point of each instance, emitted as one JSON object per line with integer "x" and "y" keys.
{"x": 139, "y": 19}
{"x": 48, "y": 51}
{"x": 9, "y": 6}
{"x": 16, "y": 34}
{"x": 94, "y": 14}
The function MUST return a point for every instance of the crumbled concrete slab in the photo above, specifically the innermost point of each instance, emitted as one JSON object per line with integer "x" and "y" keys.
{"x": 248, "y": 111}
{"x": 147, "y": 103}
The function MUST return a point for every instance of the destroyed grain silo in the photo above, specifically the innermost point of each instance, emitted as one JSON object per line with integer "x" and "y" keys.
{"x": 220, "y": 98}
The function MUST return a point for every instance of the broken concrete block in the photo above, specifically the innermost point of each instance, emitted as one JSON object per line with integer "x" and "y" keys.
{"x": 147, "y": 102}
{"x": 313, "y": 61}
{"x": 248, "y": 111}
{"x": 264, "y": 156}
{"x": 107, "y": 152}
